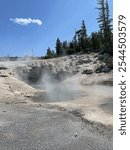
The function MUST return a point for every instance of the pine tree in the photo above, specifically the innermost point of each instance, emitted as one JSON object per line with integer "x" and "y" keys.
{"x": 71, "y": 49}
{"x": 96, "y": 40}
{"x": 83, "y": 31}
{"x": 59, "y": 49}
{"x": 82, "y": 36}
{"x": 105, "y": 26}
{"x": 50, "y": 53}
{"x": 102, "y": 15}
{"x": 108, "y": 32}
{"x": 65, "y": 47}
{"x": 75, "y": 42}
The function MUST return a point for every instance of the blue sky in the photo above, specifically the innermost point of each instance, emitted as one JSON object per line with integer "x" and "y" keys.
{"x": 42, "y": 22}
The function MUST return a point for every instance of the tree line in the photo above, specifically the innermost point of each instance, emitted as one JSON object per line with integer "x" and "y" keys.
{"x": 100, "y": 41}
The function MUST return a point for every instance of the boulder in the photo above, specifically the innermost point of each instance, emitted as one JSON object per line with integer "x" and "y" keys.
{"x": 87, "y": 71}
{"x": 3, "y": 68}
{"x": 107, "y": 58}
{"x": 67, "y": 67}
{"x": 95, "y": 62}
{"x": 95, "y": 56}
{"x": 80, "y": 62}
{"x": 86, "y": 61}
{"x": 102, "y": 68}
{"x": 4, "y": 75}
{"x": 72, "y": 64}
{"x": 100, "y": 57}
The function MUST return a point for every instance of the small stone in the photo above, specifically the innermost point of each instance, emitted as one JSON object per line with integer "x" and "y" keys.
{"x": 76, "y": 134}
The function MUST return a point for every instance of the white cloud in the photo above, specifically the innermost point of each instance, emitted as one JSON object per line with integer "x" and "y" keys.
{"x": 26, "y": 21}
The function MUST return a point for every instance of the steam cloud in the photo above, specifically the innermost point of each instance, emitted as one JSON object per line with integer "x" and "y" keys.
{"x": 67, "y": 89}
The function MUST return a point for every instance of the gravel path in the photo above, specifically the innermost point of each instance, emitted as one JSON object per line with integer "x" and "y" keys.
{"x": 29, "y": 127}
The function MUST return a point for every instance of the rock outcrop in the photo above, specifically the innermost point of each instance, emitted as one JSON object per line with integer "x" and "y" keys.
{"x": 59, "y": 68}
{"x": 63, "y": 66}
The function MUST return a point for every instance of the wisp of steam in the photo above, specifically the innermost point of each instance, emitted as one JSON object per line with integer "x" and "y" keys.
{"x": 56, "y": 91}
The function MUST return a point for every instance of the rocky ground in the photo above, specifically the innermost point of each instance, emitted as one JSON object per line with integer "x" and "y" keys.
{"x": 32, "y": 111}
